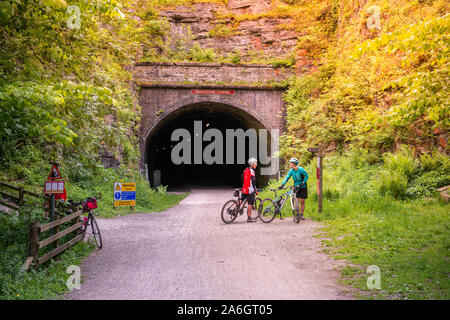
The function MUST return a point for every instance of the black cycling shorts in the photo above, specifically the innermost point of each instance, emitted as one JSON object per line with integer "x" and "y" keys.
{"x": 301, "y": 193}
{"x": 250, "y": 198}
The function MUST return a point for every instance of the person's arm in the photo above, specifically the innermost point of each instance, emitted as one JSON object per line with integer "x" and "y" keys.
{"x": 286, "y": 179}
{"x": 247, "y": 177}
{"x": 305, "y": 176}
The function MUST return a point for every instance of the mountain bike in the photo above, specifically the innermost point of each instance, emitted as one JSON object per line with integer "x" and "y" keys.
{"x": 232, "y": 208}
{"x": 88, "y": 205}
{"x": 269, "y": 208}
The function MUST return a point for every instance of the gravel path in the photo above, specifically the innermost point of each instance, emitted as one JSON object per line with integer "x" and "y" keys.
{"x": 187, "y": 252}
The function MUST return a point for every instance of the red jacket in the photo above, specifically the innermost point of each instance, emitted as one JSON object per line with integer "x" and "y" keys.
{"x": 249, "y": 179}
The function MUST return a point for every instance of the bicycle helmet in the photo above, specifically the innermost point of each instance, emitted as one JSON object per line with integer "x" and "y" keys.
{"x": 252, "y": 160}
{"x": 294, "y": 160}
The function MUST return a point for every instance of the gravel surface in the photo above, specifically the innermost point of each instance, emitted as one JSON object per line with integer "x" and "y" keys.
{"x": 187, "y": 252}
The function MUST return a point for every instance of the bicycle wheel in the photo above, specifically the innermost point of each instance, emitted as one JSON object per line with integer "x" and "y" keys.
{"x": 296, "y": 209}
{"x": 96, "y": 233}
{"x": 267, "y": 210}
{"x": 255, "y": 211}
{"x": 230, "y": 211}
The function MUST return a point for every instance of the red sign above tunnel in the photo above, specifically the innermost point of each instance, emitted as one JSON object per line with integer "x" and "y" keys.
{"x": 211, "y": 91}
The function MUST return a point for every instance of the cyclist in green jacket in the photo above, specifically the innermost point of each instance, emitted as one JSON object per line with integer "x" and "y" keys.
{"x": 300, "y": 177}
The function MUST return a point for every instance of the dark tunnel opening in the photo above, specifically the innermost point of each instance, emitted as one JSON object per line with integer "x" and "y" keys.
{"x": 159, "y": 147}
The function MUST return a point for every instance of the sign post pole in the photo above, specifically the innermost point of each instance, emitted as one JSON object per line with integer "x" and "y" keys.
{"x": 319, "y": 174}
{"x": 320, "y": 181}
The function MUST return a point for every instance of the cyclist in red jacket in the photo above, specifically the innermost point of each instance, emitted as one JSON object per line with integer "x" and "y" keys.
{"x": 249, "y": 186}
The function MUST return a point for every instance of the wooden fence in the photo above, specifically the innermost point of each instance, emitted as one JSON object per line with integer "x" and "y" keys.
{"x": 66, "y": 224}
{"x": 72, "y": 226}
{"x": 13, "y": 197}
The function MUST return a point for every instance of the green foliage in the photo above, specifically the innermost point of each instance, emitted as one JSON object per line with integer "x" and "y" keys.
{"x": 427, "y": 183}
{"x": 403, "y": 162}
{"x": 393, "y": 183}
{"x": 373, "y": 87}
{"x": 47, "y": 282}
{"x": 65, "y": 96}
{"x": 235, "y": 57}
{"x": 198, "y": 54}
{"x": 435, "y": 160}
{"x": 424, "y": 45}
{"x": 223, "y": 31}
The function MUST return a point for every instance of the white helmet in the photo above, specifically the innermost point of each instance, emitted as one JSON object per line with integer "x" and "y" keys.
{"x": 252, "y": 160}
{"x": 294, "y": 160}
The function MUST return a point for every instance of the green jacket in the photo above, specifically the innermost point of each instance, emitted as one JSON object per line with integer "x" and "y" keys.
{"x": 299, "y": 176}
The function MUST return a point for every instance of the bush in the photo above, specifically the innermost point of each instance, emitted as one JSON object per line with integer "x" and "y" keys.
{"x": 426, "y": 184}
{"x": 202, "y": 55}
{"x": 393, "y": 183}
{"x": 434, "y": 161}
{"x": 403, "y": 161}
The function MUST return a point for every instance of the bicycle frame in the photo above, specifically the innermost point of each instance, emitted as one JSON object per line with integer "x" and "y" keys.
{"x": 283, "y": 199}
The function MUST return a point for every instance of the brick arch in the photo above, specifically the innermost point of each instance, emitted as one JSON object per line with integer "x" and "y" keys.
{"x": 166, "y": 111}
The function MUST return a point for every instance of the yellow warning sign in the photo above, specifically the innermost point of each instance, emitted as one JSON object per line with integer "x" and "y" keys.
{"x": 125, "y": 203}
{"x": 129, "y": 186}
{"x": 124, "y": 194}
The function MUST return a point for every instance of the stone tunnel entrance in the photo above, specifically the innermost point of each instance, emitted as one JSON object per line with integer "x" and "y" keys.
{"x": 210, "y": 115}
{"x": 219, "y": 95}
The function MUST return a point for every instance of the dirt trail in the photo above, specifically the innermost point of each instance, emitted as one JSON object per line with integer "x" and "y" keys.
{"x": 187, "y": 252}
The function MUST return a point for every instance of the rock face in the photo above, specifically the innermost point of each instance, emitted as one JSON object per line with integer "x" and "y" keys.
{"x": 212, "y": 26}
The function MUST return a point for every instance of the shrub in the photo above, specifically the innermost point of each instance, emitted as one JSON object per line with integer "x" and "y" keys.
{"x": 426, "y": 184}
{"x": 202, "y": 55}
{"x": 235, "y": 57}
{"x": 393, "y": 183}
{"x": 434, "y": 161}
{"x": 402, "y": 161}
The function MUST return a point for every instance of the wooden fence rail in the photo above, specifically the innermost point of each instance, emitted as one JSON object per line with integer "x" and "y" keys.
{"x": 36, "y": 230}
{"x": 10, "y": 200}
{"x": 67, "y": 223}
{"x": 14, "y": 198}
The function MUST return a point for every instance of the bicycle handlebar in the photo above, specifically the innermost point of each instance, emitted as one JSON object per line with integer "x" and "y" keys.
{"x": 81, "y": 202}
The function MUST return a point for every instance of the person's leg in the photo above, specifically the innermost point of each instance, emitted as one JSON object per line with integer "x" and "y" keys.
{"x": 298, "y": 205}
{"x": 302, "y": 203}
{"x": 249, "y": 210}
{"x": 250, "y": 202}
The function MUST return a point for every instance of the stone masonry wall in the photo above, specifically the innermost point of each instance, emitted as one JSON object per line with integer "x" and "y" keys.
{"x": 219, "y": 73}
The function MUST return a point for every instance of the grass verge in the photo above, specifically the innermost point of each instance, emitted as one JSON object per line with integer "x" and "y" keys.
{"x": 45, "y": 282}
{"x": 408, "y": 239}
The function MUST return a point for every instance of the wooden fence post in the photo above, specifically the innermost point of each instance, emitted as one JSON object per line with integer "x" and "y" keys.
{"x": 34, "y": 239}
{"x": 20, "y": 202}
{"x": 21, "y": 196}
{"x": 320, "y": 163}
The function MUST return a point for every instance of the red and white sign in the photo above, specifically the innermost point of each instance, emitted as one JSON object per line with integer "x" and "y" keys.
{"x": 211, "y": 91}
{"x": 54, "y": 174}
{"x": 54, "y": 187}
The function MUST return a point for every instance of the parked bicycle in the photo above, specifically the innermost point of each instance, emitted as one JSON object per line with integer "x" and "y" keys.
{"x": 271, "y": 207}
{"x": 232, "y": 208}
{"x": 88, "y": 205}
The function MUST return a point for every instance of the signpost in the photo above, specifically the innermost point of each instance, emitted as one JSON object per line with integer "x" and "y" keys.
{"x": 125, "y": 194}
{"x": 53, "y": 185}
{"x": 319, "y": 174}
